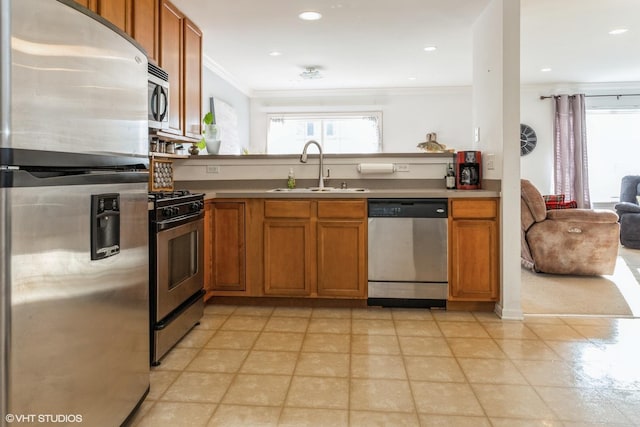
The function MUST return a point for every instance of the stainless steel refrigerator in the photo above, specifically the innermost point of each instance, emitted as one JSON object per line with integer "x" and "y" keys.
{"x": 74, "y": 322}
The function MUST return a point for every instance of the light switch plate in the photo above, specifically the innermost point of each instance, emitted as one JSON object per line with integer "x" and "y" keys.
{"x": 491, "y": 161}
{"x": 402, "y": 167}
{"x": 476, "y": 134}
{"x": 213, "y": 169}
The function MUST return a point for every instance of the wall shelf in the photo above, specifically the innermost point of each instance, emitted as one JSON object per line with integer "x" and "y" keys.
{"x": 169, "y": 155}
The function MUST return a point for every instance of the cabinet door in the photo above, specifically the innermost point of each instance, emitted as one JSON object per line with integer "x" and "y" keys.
{"x": 227, "y": 246}
{"x": 474, "y": 260}
{"x": 89, "y": 4}
{"x": 341, "y": 255}
{"x": 118, "y": 12}
{"x": 171, "y": 60}
{"x": 192, "y": 80}
{"x": 145, "y": 27}
{"x": 287, "y": 257}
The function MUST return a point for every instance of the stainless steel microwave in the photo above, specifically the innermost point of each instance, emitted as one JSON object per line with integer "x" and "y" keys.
{"x": 158, "y": 97}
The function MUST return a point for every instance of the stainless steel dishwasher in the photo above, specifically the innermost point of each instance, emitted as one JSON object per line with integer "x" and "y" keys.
{"x": 408, "y": 252}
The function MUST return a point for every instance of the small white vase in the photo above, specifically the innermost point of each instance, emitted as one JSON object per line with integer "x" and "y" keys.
{"x": 212, "y": 138}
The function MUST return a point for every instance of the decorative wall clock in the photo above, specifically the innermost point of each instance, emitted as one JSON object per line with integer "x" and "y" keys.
{"x": 528, "y": 139}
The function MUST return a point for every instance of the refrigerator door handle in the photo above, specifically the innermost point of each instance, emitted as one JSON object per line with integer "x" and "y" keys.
{"x": 25, "y": 178}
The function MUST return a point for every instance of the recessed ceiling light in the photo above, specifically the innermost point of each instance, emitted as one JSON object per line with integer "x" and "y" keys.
{"x": 275, "y": 53}
{"x": 545, "y": 70}
{"x": 411, "y": 78}
{"x": 430, "y": 48}
{"x": 310, "y": 16}
{"x": 618, "y": 31}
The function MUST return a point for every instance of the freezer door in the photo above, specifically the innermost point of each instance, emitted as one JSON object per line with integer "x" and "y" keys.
{"x": 78, "y": 328}
{"x": 76, "y": 85}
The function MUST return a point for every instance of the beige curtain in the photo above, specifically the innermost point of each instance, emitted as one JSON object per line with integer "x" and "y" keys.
{"x": 570, "y": 149}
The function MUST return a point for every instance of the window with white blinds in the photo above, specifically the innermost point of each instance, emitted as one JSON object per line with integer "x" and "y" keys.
{"x": 350, "y": 133}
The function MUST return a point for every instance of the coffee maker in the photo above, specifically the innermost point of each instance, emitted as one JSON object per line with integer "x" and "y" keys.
{"x": 468, "y": 166}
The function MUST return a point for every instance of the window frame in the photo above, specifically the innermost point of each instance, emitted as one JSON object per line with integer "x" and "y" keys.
{"x": 322, "y": 117}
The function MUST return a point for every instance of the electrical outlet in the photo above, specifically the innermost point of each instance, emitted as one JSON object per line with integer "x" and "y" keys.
{"x": 476, "y": 134}
{"x": 213, "y": 169}
{"x": 402, "y": 167}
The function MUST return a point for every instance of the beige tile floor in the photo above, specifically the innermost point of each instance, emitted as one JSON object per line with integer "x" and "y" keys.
{"x": 274, "y": 366}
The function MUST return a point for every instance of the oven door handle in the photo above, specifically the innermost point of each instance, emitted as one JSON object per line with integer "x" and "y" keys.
{"x": 176, "y": 222}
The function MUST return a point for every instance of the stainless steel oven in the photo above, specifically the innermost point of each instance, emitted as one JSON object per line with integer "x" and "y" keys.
{"x": 176, "y": 268}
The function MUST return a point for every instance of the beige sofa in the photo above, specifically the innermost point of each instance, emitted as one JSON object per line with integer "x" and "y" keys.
{"x": 566, "y": 241}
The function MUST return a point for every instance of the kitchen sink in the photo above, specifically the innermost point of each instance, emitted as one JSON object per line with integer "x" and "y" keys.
{"x": 319, "y": 190}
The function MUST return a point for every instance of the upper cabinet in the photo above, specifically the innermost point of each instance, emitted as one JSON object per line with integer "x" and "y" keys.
{"x": 118, "y": 12}
{"x": 171, "y": 60}
{"x": 146, "y": 29}
{"x": 180, "y": 56}
{"x": 193, "y": 80}
{"x": 172, "y": 41}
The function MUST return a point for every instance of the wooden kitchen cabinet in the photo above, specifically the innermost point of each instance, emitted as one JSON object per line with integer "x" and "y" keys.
{"x": 118, "y": 12}
{"x": 171, "y": 60}
{"x": 473, "y": 250}
{"x": 287, "y": 245}
{"x": 138, "y": 18}
{"x": 181, "y": 57}
{"x": 225, "y": 241}
{"x": 192, "y": 80}
{"x": 315, "y": 248}
{"x": 341, "y": 243}
{"x": 146, "y": 26}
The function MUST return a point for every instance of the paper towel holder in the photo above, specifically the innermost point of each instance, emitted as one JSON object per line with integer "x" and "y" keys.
{"x": 376, "y": 168}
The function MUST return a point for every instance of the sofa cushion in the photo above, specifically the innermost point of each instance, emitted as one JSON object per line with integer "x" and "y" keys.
{"x": 533, "y": 199}
{"x": 584, "y": 215}
{"x": 626, "y": 207}
{"x": 553, "y": 198}
{"x": 571, "y": 204}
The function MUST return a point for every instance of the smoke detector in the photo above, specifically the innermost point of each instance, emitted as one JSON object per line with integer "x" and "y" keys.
{"x": 311, "y": 73}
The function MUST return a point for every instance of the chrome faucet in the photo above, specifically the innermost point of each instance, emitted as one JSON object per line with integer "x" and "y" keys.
{"x": 303, "y": 159}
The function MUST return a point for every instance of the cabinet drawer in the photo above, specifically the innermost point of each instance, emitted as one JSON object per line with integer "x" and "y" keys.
{"x": 287, "y": 209}
{"x": 474, "y": 209}
{"x": 342, "y": 209}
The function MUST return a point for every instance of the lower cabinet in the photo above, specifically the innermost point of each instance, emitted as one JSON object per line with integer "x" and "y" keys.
{"x": 473, "y": 250}
{"x": 288, "y": 248}
{"x": 287, "y": 257}
{"x": 225, "y": 246}
{"x": 341, "y": 243}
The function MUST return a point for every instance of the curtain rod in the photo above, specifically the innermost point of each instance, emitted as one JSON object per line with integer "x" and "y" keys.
{"x": 593, "y": 96}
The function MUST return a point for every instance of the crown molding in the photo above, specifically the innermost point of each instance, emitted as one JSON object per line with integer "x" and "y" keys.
{"x": 218, "y": 70}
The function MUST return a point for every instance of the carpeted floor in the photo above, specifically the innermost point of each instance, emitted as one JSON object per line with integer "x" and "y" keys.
{"x": 615, "y": 295}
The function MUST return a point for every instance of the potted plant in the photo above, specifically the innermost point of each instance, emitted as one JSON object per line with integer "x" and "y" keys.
{"x": 208, "y": 130}
{"x": 211, "y": 134}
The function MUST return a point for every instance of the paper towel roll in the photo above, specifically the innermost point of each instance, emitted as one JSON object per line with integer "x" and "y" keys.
{"x": 373, "y": 168}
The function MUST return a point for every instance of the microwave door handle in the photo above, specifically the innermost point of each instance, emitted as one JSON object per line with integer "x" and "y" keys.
{"x": 163, "y": 97}
{"x": 154, "y": 103}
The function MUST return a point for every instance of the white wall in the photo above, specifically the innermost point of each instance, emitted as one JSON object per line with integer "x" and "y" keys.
{"x": 407, "y": 114}
{"x": 538, "y": 165}
{"x": 216, "y": 86}
{"x": 496, "y": 112}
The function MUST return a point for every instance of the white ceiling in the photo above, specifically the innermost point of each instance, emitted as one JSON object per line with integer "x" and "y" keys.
{"x": 379, "y": 43}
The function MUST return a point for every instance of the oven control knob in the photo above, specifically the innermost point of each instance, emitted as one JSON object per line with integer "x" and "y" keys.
{"x": 195, "y": 206}
{"x": 175, "y": 210}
